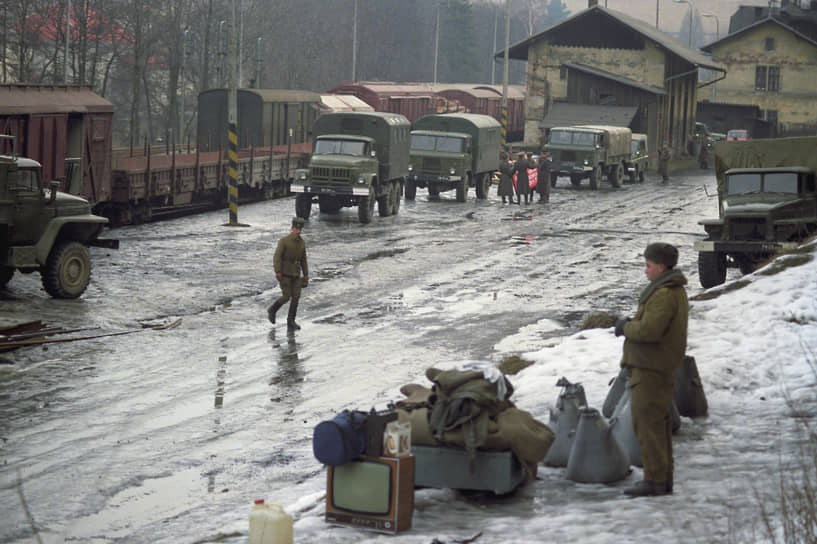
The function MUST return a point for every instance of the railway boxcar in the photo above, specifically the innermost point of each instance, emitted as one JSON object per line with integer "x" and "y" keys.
{"x": 67, "y": 129}
{"x": 487, "y": 100}
{"x": 265, "y": 117}
{"x": 412, "y": 100}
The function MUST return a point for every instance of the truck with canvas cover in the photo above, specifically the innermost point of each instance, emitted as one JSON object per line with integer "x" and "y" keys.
{"x": 44, "y": 230}
{"x": 453, "y": 151}
{"x": 357, "y": 158}
{"x": 589, "y": 151}
{"x": 767, "y": 202}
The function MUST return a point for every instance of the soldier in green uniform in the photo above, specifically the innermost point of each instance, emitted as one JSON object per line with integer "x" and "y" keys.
{"x": 654, "y": 347}
{"x": 289, "y": 262}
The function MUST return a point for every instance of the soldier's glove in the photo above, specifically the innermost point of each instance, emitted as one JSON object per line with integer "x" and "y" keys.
{"x": 305, "y": 281}
{"x": 620, "y": 325}
{"x": 278, "y": 276}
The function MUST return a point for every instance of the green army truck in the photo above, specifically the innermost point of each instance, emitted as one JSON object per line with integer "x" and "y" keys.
{"x": 453, "y": 151}
{"x": 44, "y": 230}
{"x": 767, "y": 202}
{"x": 357, "y": 158}
{"x": 589, "y": 152}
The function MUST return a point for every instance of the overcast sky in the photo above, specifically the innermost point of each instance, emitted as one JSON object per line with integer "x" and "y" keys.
{"x": 670, "y": 14}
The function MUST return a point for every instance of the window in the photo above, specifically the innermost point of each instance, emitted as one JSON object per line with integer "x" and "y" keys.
{"x": 769, "y": 44}
{"x": 767, "y": 78}
{"x": 562, "y": 73}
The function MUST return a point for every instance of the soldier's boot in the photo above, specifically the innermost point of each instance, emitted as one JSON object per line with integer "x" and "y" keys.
{"x": 293, "y": 309}
{"x": 272, "y": 310}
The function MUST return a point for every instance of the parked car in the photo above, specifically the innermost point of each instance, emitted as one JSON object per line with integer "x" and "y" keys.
{"x": 737, "y": 134}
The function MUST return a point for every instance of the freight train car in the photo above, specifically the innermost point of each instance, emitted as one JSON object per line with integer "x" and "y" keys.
{"x": 266, "y": 117}
{"x": 67, "y": 129}
{"x": 415, "y": 100}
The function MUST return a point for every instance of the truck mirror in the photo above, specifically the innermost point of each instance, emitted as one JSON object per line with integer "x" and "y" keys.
{"x": 373, "y": 153}
{"x": 55, "y": 185}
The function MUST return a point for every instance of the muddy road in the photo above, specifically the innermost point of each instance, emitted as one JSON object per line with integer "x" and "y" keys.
{"x": 168, "y": 436}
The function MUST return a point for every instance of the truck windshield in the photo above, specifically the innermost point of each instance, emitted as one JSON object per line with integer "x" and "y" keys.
{"x": 426, "y": 142}
{"x": 572, "y": 138}
{"x": 340, "y": 147}
{"x": 634, "y": 147}
{"x": 774, "y": 182}
{"x": 24, "y": 180}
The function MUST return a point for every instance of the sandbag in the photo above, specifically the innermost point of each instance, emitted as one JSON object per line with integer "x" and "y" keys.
{"x": 689, "y": 390}
{"x": 617, "y": 387}
{"x": 596, "y": 456}
{"x": 621, "y": 425}
{"x": 564, "y": 421}
{"x": 341, "y": 439}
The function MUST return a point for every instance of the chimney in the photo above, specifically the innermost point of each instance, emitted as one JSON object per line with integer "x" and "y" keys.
{"x": 592, "y": 3}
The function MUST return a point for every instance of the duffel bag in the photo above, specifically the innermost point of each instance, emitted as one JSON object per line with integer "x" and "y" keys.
{"x": 340, "y": 439}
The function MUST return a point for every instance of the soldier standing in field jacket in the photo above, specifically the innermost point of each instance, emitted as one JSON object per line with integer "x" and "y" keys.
{"x": 654, "y": 347}
{"x": 289, "y": 262}
{"x": 520, "y": 168}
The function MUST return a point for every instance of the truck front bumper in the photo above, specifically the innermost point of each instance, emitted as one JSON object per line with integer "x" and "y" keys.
{"x": 331, "y": 190}
{"x": 568, "y": 169}
{"x": 742, "y": 247}
{"x": 432, "y": 178}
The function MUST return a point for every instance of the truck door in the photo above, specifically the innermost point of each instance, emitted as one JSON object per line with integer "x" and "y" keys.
{"x": 28, "y": 205}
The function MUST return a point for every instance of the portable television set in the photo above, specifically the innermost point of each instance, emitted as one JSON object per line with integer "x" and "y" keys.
{"x": 374, "y": 493}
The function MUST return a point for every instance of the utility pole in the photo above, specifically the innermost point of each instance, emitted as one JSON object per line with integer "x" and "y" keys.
{"x": 259, "y": 62}
{"x": 354, "y": 45}
{"x": 232, "y": 124}
{"x": 436, "y": 42}
{"x": 504, "y": 130}
{"x": 186, "y": 36}
{"x": 67, "y": 34}
{"x": 493, "y": 60}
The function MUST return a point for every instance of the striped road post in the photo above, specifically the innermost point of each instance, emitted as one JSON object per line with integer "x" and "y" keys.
{"x": 233, "y": 187}
{"x": 504, "y": 130}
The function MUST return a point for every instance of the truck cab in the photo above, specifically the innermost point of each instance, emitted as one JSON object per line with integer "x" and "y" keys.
{"x": 45, "y": 230}
{"x": 589, "y": 151}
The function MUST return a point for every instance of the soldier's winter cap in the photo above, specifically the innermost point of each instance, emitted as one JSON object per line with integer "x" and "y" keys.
{"x": 298, "y": 222}
{"x": 662, "y": 253}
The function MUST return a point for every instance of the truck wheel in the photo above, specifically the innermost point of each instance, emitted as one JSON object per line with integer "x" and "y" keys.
{"x": 365, "y": 208}
{"x": 595, "y": 177}
{"x": 6, "y": 272}
{"x": 395, "y": 209}
{"x": 482, "y": 186}
{"x": 411, "y": 190}
{"x": 711, "y": 268}
{"x": 553, "y": 178}
{"x": 384, "y": 203}
{"x": 641, "y": 176}
{"x": 303, "y": 205}
{"x": 615, "y": 175}
{"x": 575, "y": 180}
{"x": 67, "y": 271}
{"x": 462, "y": 190}
{"x": 634, "y": 174}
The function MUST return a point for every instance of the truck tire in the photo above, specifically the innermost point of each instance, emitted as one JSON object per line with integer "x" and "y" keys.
{"x": 67, "y": 271}
{"x": 365, "y": 208}
{"x": 462, "y": 190}
{"x": 634, "y": 174}
{"x": 615, "y": 175}
{"x": 384, "y": 203}
{"x": 595, "y": 177}
{"x": 6, "y": 272}
{"x": 397, "y": 197}
{"x": 711, "y": 268}
{"x": 482, "y": 186}
{"x": 303, "y": 205}
{"x": 411, "y": 190}
{"x": 641, "y": 176}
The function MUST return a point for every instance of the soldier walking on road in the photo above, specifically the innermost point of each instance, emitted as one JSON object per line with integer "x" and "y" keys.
{"x": 505, "y": 188}
{"x": 654, "y": 347}
{"x": 543, "y": 177}
{"x": 289, "y": 262}
{"x": 663, "y": 163}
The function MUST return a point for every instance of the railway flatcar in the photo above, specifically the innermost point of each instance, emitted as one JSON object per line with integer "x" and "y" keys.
{"x": 266, "y": 117}
{"x": 67, "y": 129}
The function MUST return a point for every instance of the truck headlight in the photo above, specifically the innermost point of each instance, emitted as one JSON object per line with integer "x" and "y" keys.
{"x": 586, "y": 162}
{"x": 452, "y": 170}
{"x": 361, "y": 180}
{"x": 411, "y": 168}
{"x": 301, "y": 175}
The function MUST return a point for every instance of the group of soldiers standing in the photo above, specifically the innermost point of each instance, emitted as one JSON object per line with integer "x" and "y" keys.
{"x": 524, "y": 162}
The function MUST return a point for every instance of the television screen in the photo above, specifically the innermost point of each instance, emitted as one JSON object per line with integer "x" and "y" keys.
{"x": 362, "y": 486}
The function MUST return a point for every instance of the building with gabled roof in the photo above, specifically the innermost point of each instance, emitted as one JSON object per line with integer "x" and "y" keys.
{"x": 613, "y": 47}
{"x": 773, "y": 66}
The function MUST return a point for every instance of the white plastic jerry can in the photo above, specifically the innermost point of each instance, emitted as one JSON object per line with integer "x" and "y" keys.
{"x": 269, "y": 524}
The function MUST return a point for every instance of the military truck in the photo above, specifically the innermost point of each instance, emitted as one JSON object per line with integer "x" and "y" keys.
{"x": 453, "y": 151}
{"x": 45, "y": 230}
{"x": 639, "y": 158}
{"x": 357, "y": 158}
{"x": 767, "y": 202}
{"x": 589, "y": 151}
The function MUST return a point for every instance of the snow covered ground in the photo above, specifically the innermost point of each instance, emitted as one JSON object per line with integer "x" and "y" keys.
{"x": 755, "y": 346}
